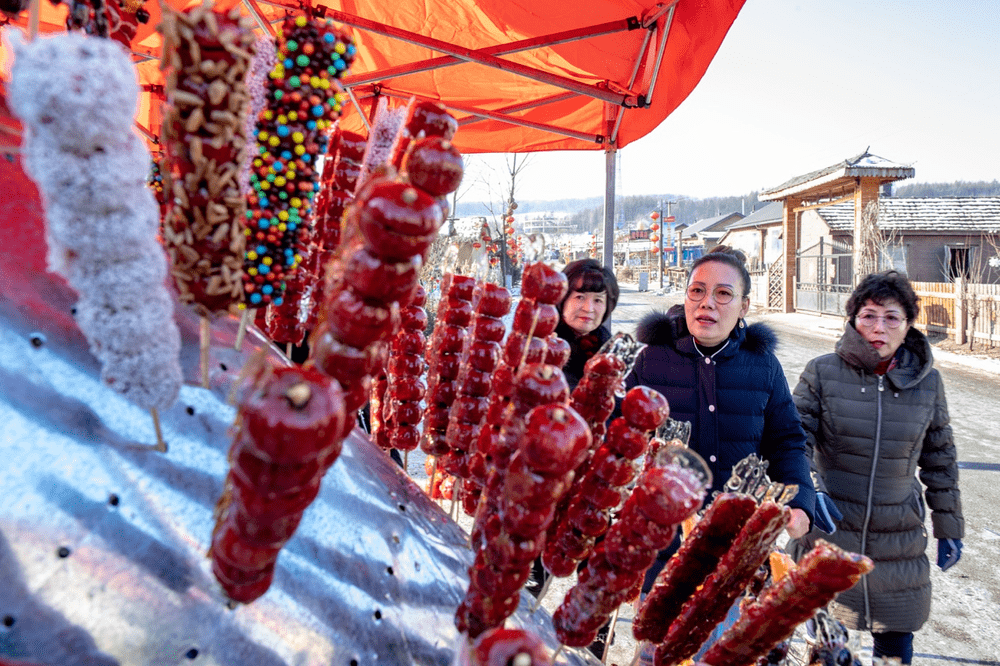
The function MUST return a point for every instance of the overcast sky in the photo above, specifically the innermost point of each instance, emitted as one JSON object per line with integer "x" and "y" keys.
{"x": 800, "y": 85}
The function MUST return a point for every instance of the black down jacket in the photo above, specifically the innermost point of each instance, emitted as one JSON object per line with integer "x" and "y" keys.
{"x": 868, "y": 434}
{"x": 737, "y": 401}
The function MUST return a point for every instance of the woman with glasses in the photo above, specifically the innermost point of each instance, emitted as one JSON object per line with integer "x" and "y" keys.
{"x": 874, "y": 414}
{"x": 722, "y": 375}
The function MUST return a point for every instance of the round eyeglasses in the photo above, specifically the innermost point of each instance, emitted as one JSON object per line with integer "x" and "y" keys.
{"x": 722, "y": 295}
{"x": 891, "y": 320}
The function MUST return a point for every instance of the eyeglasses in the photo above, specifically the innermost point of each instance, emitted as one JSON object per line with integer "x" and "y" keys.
{"x": 722, "y": 295}
{"x": 868, "y": 320}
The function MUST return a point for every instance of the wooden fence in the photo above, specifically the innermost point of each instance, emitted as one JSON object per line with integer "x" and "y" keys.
{"x": 961, "y": 310}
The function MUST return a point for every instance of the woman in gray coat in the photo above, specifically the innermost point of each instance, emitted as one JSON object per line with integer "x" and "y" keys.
{"x": 874, "y": 412}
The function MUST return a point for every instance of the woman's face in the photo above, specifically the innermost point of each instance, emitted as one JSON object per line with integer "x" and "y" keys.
{"x": 708, "y": 320}
{"x": 584, "y": 311}
{"x": 876, "y": 324}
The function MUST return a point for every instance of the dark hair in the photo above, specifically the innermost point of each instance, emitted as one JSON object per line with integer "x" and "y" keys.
{"x": 588, "y": 276}
{"x": 729, "y": 256}
{"x": 881, "y": 287}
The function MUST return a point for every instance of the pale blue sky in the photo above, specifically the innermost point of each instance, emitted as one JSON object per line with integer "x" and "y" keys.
{"x": 799, "y": 85}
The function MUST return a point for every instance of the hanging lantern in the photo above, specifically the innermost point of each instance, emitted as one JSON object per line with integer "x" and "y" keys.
{"x": 654, "y": 227}
{"x": 477, "y": 245}
{"x": 655, "y": 215}
{"x": 510, "y": 219}
{"x": 654, "y": 238}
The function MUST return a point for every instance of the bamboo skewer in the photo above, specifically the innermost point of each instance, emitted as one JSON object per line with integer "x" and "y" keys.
{"x": 161, "y": 445}
{"x": 242, "y": 331}
{"x": 406, "y": 462}
{"x": 611, "y": 636}
{"x": 205, "y": 342}
{"x": 541, "y": 593}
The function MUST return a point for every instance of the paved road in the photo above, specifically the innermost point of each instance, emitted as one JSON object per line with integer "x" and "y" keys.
{"x": 965, "y": 619}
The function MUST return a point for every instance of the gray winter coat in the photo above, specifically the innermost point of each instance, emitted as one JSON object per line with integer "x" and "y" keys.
{"x": 868, "y": 434}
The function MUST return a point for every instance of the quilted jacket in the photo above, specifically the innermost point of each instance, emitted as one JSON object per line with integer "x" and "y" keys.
{"x": 737, "y": 400}
{"x": 867, "y": 436}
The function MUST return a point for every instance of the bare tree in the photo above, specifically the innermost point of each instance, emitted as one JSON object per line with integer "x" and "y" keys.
{"x": 502, "y": 186}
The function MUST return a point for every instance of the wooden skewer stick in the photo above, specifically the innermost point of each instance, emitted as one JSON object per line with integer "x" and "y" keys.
{"x": 406, "y": 462}
{"x": 206, "y": 338}
{"x": 555, "y": 655}
{"x": 611, "y": 636}
{"x": 34, "y": 15}
{"x": 161, "y": 445}
{"x": 288, "y": 350}
{"x": 542, "y": 592}
{"x": 434, "y": 471}
{"x": 242, "y": 331}
{"x": 455, "y": 489}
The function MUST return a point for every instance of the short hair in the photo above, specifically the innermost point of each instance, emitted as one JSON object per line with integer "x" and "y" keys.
{"x": 589, "y": 276}
{"x": 729, "y": 256}
{"x": 881, "y": 287}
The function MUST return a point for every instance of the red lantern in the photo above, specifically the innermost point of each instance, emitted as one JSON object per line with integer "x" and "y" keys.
{"x": 654, "y": 238}
{"x": 654, "y": 227}
{"x": 655, "y": 215}
{"x": 477, "y": 245}
{"x": 510, "y": 219}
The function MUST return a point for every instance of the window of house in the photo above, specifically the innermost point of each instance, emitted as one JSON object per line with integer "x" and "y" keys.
{"x": 959, "y": 262}
{"x": 893, "y": 258}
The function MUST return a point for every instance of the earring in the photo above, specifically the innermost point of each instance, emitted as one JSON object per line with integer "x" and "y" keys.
{"x": 742, "y": 325}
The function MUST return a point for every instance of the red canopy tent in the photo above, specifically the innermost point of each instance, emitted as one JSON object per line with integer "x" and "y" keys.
{"x": 520, "y": 76}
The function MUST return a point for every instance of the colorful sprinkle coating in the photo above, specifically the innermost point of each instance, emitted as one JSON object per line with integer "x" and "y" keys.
{"x": 304, "y": 101}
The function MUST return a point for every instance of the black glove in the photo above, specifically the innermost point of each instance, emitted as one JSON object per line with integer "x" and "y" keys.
{"x": 827, "y": 513}
{"x": 949, "y": 552}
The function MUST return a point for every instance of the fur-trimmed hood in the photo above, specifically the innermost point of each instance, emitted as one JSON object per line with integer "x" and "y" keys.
{"x": 670, "y": 327}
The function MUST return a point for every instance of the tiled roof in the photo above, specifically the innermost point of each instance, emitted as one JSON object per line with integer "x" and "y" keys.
{"x": 769, "y": 214}
{"x": 947, "y": 214}
{"x": 707, "y": 224}
{"x": 863, "y": 165}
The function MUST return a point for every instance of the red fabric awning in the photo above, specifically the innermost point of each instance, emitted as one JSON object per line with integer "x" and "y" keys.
{"x": 520, "y": 76}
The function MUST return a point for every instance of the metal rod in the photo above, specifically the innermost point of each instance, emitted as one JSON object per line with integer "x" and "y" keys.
{"x": 258, "y": 16}
{"x": 471, "y": 55}
{"x": 524, "y": 106}
{"x": 493, "y": 115}
{"x": 659, "y": 54}
{"x": 34, "y": 16}
{"x": 620, "y": 113}
{"x": 609, "y": 206}
{"x": 553, "y": 39}
{"x": 357, "y": 105}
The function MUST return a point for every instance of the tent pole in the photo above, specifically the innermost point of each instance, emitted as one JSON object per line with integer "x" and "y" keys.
{"x": 609, "y": 207}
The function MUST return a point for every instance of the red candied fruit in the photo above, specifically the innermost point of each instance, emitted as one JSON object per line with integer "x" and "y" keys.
{"x": 432, "y": 119}
{"x": 351, "y": 146}
{"x": 292, "y": 414}
{"x": 502, "y": 647}
{"x": 543, "y": 283}
{"x": 397, "y": 220}
{"x": 645, "y": 408}
{"x": 435, "y": 166}
{"x": 377, "y": 279}
{"x": 556, "y": 439}
{"x": 557, "y": 351}
{"x": 540, "y": 384}
{"x": 494, "y": 301}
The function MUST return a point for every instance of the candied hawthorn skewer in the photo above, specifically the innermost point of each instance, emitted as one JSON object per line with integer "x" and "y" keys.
{"x": 402, "y": 412}
{"x": 612, "y": 468}
{"x": 662, "y": 499}
{"x": 697, "y": 557}
{"x": 424, "y": 118}
{"x": 821, "y": 574}
{"x": 289, "y": 431}
{"x": 374, "y": 273}
{"x": 303, "y": 102}
{"x": 555, "y": 437}
{"x": 540, "y": 284}
{"x": 207, "y": 55}
{"x": 444, "y": 355}
{"x": 536, "y": 384}
{"x": 708, "y": 606}
{"x": 479, "y": 361}
{"x": 75, "y": 96}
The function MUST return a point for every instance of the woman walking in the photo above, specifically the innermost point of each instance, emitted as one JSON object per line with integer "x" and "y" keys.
{"x": 874, "y": 414}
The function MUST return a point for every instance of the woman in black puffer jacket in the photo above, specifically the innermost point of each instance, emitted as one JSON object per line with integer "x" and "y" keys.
{"x": 875, "y": 412}
{"x": 723, "y": 377}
